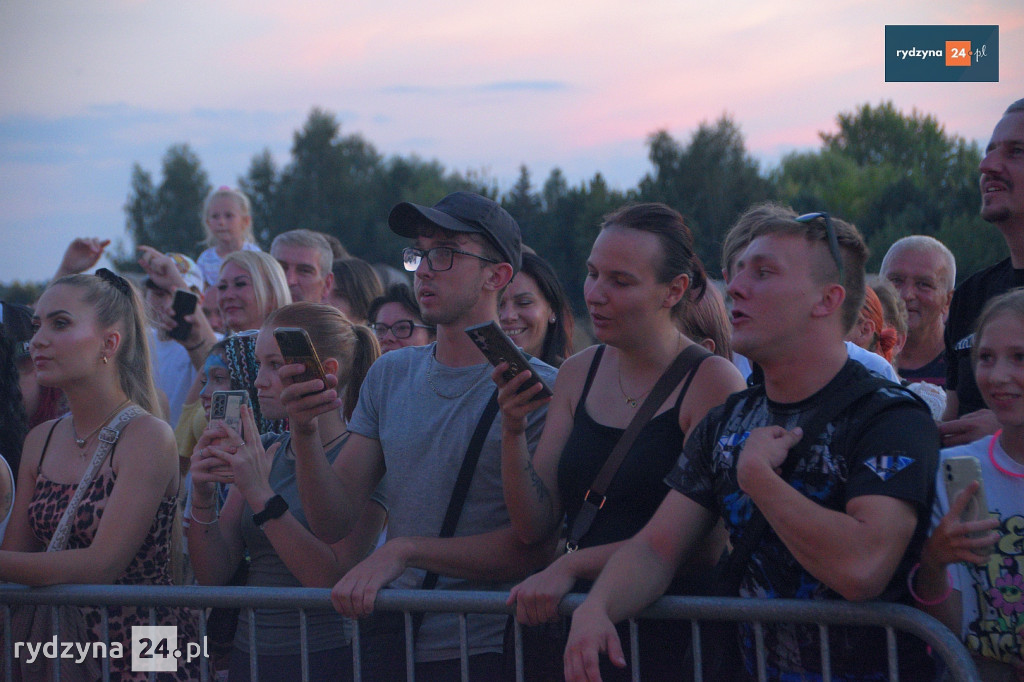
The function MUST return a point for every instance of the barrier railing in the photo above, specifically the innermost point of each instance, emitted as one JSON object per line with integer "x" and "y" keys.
{"x": 891, "y": 617}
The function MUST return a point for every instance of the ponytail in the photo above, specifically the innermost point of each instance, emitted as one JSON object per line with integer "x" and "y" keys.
{"x": 365, "y": 352}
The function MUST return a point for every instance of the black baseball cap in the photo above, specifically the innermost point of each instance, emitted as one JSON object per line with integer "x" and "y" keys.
{"x": 463, "y": 212}
{"x": 16, "y": 325}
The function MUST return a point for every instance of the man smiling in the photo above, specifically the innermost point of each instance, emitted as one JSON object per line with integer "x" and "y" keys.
{"x": 1002, "y": 204}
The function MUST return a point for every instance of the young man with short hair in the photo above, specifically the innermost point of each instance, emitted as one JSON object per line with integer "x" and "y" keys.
{"x": 417, "y": 411}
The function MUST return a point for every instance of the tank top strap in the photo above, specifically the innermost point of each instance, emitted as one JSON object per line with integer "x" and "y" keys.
{"x": 689, "y": 378}
{"x": 46, "y": 443}
{"x": 594, "y": 364}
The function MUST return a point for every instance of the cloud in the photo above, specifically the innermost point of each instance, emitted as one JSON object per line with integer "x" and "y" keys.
{"x": 510, "y": 86}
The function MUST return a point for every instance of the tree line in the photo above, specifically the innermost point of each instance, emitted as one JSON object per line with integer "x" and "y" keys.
{"x": 890, "y": 173}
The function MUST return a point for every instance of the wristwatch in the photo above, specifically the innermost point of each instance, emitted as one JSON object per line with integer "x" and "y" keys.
{"x": 275, "y": 509}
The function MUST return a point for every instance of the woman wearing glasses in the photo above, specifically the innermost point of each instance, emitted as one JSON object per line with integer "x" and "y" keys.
{"x": 395, "y": 318}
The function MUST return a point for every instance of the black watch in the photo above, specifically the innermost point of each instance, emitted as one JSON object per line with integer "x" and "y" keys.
{"x": 275, "y": 509}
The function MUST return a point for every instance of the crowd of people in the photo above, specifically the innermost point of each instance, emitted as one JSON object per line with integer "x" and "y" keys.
{"x": 796, "y": 443}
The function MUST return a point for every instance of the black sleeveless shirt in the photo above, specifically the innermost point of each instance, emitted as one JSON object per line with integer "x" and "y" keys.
{"x": 638, "y": 486}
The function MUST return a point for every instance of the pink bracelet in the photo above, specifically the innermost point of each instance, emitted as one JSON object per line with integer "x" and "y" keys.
{"x": 924, "y": 602}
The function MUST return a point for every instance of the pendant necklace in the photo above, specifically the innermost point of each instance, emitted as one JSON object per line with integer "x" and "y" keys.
{"x": 80, "y": 442}
{"x": 631, "y": 401}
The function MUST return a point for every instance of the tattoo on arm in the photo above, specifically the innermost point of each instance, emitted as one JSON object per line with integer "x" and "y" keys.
{"x": 539, "y": 488}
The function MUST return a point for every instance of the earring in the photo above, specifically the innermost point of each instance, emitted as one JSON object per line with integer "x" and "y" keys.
{"x": 104, "y": 359}
{"x": 552, "y": 320}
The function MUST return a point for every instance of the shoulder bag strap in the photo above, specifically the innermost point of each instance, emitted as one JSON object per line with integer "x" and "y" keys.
{"x": 460, "y": 491}
{"x": 108, "y": 436}
{"x": 687, "y": 361}
{"x": 736, "y": 563}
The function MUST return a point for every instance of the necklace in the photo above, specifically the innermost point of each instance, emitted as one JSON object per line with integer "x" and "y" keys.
{"x": 631, "y": 401}
{"x": 992, "y": 457}
{"x": 433, "y": 386}
{"x": 80, "y": 442}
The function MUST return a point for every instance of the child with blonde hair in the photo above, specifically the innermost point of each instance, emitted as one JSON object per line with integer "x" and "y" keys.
{"x": 227, "y": 217}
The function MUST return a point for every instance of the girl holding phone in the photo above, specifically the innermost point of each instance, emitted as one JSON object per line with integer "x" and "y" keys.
{"x": 263, "y": 513}
{"x": 971, "y": 575}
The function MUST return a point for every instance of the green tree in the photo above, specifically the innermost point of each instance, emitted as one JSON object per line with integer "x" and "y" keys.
{"x": 332, "y": 183}
{"x": 167, "y": 217}
{"x": 711, "y": 181}
{"x": 892, "y": 175}
{"x": 260, "y": 185}
{"x": 524, "y": 205}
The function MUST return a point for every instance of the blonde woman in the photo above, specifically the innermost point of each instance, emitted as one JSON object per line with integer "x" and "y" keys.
{"x": 91, "y": 344}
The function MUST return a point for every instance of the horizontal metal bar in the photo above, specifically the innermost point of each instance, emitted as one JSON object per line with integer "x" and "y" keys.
{"x": 898, "y": 616}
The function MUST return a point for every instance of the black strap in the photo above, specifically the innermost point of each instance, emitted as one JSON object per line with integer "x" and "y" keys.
{"x": 595, "y": 362}
{"x": 686, "y": 361}
{"x": 461, "y": 489}
{"x": 733, "y": 568}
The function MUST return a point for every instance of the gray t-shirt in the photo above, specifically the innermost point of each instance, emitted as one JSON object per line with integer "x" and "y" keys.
{"x": 424, "y": 415}
{"x": 277, "y": 630}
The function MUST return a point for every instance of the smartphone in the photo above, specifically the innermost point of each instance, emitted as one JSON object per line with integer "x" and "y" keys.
{"x": 227, "y": 406}
{"x": 184, "y": 304}
{"x": 296, "y": 348}
{"x": 958, "y": 473}
{"x": 498, "y": 348}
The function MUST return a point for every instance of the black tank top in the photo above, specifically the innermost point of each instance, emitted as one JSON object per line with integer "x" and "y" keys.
{"x": 638, "y": 486}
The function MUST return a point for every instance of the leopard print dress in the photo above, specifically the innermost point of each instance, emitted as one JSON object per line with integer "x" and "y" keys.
{"x": 150, "y": 566}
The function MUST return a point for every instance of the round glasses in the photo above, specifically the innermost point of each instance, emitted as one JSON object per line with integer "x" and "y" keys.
{"x": 402, "y": 329}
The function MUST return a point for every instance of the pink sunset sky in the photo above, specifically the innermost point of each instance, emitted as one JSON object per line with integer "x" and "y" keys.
{"x": 87, "y": 89}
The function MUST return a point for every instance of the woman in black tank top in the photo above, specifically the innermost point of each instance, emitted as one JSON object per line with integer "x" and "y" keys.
{"x": 641, "y": 274}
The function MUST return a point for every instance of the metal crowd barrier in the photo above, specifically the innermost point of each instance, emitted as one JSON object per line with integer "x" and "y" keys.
{"x": 891, "y": 617}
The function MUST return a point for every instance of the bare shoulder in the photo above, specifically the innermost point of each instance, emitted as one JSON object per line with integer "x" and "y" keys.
{"x": 716, "y": 380}
{"x": 574, "y": 370}
{"x": 718, "y": 372}
{"x": 572, "y": 375}
{"x": 32, "y": 449}
{"x": 147, "y": 436}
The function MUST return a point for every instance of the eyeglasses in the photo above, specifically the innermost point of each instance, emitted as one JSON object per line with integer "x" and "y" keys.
{"x": 402, "y": 329}
{"x": 830, "y": 232}
{"x": 439, "y": 258}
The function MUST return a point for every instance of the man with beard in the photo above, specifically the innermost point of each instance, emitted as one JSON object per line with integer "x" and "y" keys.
{"x": 417, "y": 412}
{"x": 1002, "y": 204}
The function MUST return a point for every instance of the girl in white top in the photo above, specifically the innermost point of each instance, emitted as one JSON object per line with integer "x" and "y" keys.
{"x": 227, "y": 217}
{"x": 971, "y": 578}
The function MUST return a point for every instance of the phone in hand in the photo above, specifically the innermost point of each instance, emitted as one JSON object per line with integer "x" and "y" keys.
{"x": 498, "y": 348}
{"x": 958, "y": 473}
{"x": 296, "y": 348}
{"x": 185, "y": 303}
{"x": 227, "y": 406}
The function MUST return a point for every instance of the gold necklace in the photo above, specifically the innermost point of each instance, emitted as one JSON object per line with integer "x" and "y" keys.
{"x": 633, "y": 402}
{"x": 80, "y": 442}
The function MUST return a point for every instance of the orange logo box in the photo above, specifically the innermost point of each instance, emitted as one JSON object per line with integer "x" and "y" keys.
{"x": 958, "y": 53}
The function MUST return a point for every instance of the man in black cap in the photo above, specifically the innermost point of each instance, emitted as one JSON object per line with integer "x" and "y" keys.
{"x": 417, "y": 412}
